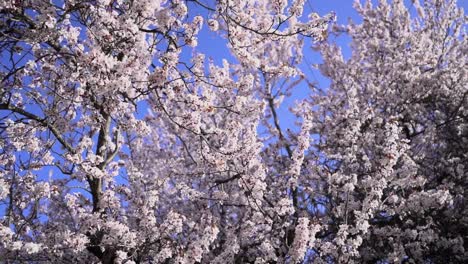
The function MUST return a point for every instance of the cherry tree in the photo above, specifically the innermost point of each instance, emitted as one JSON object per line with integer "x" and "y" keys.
{"x": 120, "y": 142}
{"x": 117, "y": 148}
{"x": 389, "y": 163}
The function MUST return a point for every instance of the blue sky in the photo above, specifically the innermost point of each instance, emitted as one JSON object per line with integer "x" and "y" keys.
{"x": 214, "y": 47}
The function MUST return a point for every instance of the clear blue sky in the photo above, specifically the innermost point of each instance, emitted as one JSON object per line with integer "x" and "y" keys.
{"x": 214, "y": 47}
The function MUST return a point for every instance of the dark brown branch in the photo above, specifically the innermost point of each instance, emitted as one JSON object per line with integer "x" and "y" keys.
{"x": 42, "y": 121}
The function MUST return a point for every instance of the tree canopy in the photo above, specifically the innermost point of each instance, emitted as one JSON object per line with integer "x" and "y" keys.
{"x": 120, "y": 142}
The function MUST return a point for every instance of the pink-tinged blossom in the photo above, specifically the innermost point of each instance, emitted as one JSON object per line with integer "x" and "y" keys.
{"x": 213, "y": 24}
{"x": 4, "y": 189}
{"x": 31, "y": 248}
{"x": 301, "y": 241}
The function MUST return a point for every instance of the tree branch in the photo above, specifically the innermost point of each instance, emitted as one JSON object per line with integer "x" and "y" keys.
{"x": 42, "y": 121}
